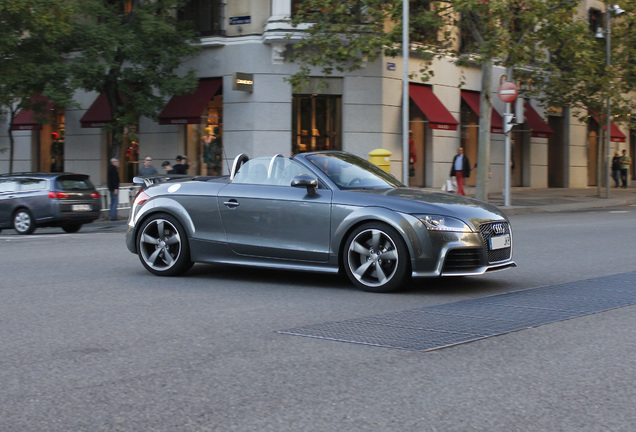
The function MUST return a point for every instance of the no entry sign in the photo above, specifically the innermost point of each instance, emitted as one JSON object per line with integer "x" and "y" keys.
{"x": 508, "y": 91}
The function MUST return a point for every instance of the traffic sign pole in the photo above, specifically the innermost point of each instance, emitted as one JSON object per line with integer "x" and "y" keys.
{"x": 507, "y": 154}
{"x": 508, "y": 93}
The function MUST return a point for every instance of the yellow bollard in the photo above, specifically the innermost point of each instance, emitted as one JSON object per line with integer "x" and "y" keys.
{"x": 380, "y": 157}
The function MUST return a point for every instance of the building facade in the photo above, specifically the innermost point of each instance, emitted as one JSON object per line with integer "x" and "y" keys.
{"x": 244, "y": 104}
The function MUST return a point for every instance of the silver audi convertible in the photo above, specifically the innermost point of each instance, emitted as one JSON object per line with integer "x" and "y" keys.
{"x": 323, "y": 212}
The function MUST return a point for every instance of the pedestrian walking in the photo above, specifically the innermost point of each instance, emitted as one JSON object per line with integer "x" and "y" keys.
{"x": 616, "y": 168}
{"x": 147, "y": 168}
{"x": 181, "y": 167}
{"x": 113, "y": 187}
{"x": 460, "y": 169}
{"x": 626, "y": 161}
{"x": 166, "y": 166}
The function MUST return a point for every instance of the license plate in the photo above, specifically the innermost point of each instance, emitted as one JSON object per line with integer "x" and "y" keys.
{"x": 500, "y": 242}
{"x": 81, "y": 207}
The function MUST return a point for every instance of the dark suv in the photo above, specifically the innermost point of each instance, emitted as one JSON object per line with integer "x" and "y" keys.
{"x": 30, "y": 200}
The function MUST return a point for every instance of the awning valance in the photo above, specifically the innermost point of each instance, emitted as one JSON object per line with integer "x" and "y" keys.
{"x": 615, "y": 133}
{"x": 98, "y": 115}
{"x": 539, "y": 128}
{"x": 28, "y": 119}
{"x": 472, "y": 100}
{"x": 436, "y": 113}
{"x": 188, "y": 108}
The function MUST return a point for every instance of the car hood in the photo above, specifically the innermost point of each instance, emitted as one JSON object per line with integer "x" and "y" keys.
{"x": 426, "y": 201}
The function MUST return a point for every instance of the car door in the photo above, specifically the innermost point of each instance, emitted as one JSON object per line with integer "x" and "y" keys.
{"x": 277, "y": 220}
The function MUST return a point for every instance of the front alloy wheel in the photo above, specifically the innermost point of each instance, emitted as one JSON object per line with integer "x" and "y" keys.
{"x": 376, "y": 258}
{"x": 162, "y": 245}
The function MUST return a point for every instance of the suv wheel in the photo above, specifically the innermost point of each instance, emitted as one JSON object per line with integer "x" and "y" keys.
{"x": 23, "y": 222}
{"x": 71, "y": 228}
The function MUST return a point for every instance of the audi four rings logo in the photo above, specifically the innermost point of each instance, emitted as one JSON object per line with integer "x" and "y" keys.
{"x": 499, "y": 228}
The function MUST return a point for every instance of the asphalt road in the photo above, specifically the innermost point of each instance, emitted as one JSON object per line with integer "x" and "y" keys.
{"x": 92, "y": 342}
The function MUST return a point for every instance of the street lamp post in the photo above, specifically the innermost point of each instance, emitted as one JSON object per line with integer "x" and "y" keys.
{"x": 608, "y": 62}
{"x": 405, "y": 92}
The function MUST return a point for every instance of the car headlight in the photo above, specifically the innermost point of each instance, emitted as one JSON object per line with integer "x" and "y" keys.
{"x": 444, "y": 223}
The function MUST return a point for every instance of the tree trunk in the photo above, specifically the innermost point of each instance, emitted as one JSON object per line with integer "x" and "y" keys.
{"x": 483, "y": 149}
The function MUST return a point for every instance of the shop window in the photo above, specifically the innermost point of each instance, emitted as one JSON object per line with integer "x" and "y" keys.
{"x": 595, "y": 20}
{"x": 129, "y": 160}
{"x": 317, "y": 123}
{"x": 425, "y": 23}
{"x": 206, "y": 16}
{"x": 204, "y": 146}
{"x": 355, "y": 11}
{"x": 467, "y": 43}
{"x": 49, "y": 147}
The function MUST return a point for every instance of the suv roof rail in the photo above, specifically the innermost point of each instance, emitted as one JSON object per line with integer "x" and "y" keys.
{"x": 23, "y": 173}
{"x": 37, "y": 173}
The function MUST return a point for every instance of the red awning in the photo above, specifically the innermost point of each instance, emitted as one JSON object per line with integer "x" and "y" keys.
{"x": 188, "y": 109}
{"x": 98, "y": 115}
{"x": 615, "y": 133}
{"x": 539, "y": 128}
{"x": 27, "y": 119}
{"x": 436, "y": 113}
{"x": 472, "y": 100}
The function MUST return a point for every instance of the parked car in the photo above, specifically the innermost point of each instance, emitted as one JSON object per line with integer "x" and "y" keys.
{"x": 31, "y": 200}
{"x": 324, "y": 212}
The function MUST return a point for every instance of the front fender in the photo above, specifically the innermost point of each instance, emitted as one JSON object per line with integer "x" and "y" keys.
{"x": 413, "y": 232}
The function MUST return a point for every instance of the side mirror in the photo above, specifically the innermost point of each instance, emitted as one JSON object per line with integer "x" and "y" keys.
{"x": 305, "y": 181}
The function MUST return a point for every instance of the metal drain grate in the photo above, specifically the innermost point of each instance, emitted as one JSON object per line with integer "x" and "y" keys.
{"x": 441, "y": 326}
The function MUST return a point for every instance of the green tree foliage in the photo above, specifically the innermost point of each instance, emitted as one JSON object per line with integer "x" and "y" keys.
{"x": 132, "y": 51}
{"x": 33, "y": 40}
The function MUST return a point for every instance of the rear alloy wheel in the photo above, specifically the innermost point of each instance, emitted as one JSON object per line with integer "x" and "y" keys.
{"x": 23, "y": 222}
{"x": 376, "y": 258}
{"x": 162, "y": 245}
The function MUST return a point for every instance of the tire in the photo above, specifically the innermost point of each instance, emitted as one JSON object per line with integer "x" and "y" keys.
{"x": 23, "y": 222}
{"x": 73, "y": 228}
{"x": 162, "y": 246}
{"x": 376, "y": 258}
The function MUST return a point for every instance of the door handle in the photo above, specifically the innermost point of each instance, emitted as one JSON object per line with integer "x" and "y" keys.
{"x": 232, "y": 203}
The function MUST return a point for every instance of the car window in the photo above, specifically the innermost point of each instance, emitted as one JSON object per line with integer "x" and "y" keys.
{"x": 68, "y": 183}
{"x": 254, "y": 171}
{"x": 32, "y": 184}
{"x": 8, "y": 185}
{"x": 277, "y": 171}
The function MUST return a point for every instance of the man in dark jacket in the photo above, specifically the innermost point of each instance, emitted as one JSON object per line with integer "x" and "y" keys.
{"x": 182, "y": 165}
{"x": 460, "y": 169}
{"x": 113, "y": 187}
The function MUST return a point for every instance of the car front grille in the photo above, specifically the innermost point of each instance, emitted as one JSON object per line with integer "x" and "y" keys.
{"x": 494, "y": 229}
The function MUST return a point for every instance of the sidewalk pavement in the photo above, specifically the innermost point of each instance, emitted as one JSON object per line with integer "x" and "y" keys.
{"x": 531, "y": 200}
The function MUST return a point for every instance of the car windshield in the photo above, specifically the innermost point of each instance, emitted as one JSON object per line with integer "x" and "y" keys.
{"x": 352, "y": 172}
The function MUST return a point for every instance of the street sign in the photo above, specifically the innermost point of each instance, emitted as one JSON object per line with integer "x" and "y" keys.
{"x": 508, "y": 91}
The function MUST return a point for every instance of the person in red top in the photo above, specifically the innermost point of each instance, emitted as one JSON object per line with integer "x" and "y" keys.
{"x": 460, "y": 169}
